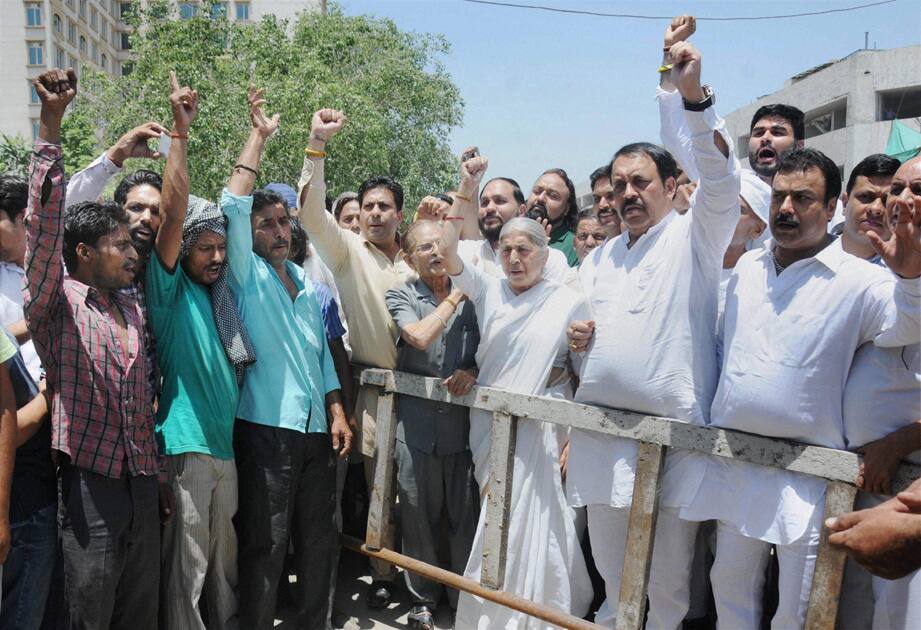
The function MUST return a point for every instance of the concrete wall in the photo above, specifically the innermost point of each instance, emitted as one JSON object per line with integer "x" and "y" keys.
{"x": 858, "y": 78}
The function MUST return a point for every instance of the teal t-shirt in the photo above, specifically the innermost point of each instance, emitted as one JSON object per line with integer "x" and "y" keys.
{"x": 198, "y": 401}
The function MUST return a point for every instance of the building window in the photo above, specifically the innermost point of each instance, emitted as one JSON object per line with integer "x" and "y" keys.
{"x": 70, "y": 4}
{"x": 828, "y": 119}
{"x": 71, "y": 32}
{"x": 36, "y": 54}
{"x": 34, "y": 128}
{"x": 33, "y": 94}
{"x": 56, "y": 24}
{"x": 94, "y": 52}
{"x": 83, "y": 9}
{"x": 219, "y": 10}
{"x": 104, "y": 31}
{"x": 124, "y": 9}
{"x": 104, "y": 62}
{"x": 60, "y": 60}
{"x": 126, "y": 42}
{"x": 33, "y": 14}
{"x": 243, "y": 11}
{"x": 900, "y": 104}
{"x": 187, "y": 10}
{"x": 82, "y": 45}
{"x": 94, "y": 19}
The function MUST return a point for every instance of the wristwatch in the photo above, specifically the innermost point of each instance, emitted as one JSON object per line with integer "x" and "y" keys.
{"x": 710, "y": 99}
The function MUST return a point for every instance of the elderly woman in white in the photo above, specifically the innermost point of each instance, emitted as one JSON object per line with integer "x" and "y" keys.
{"x": 522, "y": 320}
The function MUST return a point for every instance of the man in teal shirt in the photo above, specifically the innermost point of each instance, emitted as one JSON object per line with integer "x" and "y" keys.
{"x": 201, "y": 344}
{"x": 286, "y": 448}
{"x": 553, "y": 198}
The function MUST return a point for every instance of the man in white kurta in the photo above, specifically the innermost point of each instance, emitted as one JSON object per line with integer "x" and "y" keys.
{"x": 653, "y": 294}
{"x": 795, "y": 314}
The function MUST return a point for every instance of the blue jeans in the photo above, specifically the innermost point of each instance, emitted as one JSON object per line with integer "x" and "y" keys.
{"x": 27, "y": 570}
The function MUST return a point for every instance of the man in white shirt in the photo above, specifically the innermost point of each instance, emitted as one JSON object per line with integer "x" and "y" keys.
{"x": 882, "y": 405}
{"x": 500, "y": 201}
{"x": 652, "y": 345}
{"x": 603, "y": 200}
{"x": 794, "y": 316}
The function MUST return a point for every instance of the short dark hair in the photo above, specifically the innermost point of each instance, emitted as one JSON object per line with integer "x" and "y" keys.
{"x": 876, "y": 165}
{"x": 340, "y": 202}
{"x": 583, "y": 215}
{"x": 516, "y": 188}
{"x": 87, "y": 221}
{"x": 791, "y": 114}
{"x": 602, "y": 172}
{"x": 665, "y": 163}
{"x": 572, "y": 205}
{"x": 262, "y": 197}
{"x": 382, "y": 181}
{"x": 137, "y": 178}
{"x": 801, "y": 160}
{"x": 14, "y": 195}
{"x": 298, "y": 252}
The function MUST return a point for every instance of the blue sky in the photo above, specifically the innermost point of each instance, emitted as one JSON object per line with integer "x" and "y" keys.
{"x": 548, "y": 90}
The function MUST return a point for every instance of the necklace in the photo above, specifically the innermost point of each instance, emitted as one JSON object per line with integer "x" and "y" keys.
{"x": 777, "y": 266}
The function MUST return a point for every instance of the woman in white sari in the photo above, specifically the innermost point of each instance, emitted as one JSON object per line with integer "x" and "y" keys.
{"x": 522, "y": 320}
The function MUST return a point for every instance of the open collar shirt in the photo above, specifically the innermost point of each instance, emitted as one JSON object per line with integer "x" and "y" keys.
{"x": 102, "y": 412}
{"x": 287, "y": 385}
{"x": 655, "y": 309}
{"x": 789, "y": 342}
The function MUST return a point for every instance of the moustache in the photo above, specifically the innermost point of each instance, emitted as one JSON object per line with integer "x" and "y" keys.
{"x": 538, "y": 212}
{"x": 785, "y": 220}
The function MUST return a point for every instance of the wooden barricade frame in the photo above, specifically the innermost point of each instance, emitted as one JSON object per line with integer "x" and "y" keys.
{"x": 655, "y": 436}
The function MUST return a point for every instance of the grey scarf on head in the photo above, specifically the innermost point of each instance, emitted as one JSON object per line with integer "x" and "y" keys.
{"x": 202, "y": 216}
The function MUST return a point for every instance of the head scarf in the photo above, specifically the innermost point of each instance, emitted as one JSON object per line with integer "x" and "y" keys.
{"x": 202, "y": 216}
{"x": 756, "y": 194}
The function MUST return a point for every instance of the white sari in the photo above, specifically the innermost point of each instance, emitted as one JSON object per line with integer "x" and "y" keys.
{"x": 521, "y": 338}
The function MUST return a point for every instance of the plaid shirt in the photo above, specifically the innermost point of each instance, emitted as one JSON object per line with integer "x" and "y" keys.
{"x": 102, "y": 414}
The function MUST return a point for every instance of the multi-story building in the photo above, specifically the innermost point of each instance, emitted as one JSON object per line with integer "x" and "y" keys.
{"x": 39, "y": 34}
{"x": 849, "y": 103}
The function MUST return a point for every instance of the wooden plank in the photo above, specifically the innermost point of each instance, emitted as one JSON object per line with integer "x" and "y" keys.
{"x": 829, "y": 564}
{"x": 498, "y": 500}
{"x": 812, "y": 460}
{"x": 383, "y": 488}
{"x": 539, "y": 611}
{"x": 641, "y": 527}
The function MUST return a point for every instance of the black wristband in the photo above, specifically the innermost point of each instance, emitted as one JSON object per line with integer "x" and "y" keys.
{"x": 246, "y": 168}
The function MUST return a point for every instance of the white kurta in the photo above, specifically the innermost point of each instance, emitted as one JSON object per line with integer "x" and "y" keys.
{"x": 522, "y": 336}
{"x": 655, "y": 310}
{"x": 481, "y": 255}
{"x": 789, "y": 341}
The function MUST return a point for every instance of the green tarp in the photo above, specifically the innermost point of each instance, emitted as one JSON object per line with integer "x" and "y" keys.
{"x": 904, "y": 142}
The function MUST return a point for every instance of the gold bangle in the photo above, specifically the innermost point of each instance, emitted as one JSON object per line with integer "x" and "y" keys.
{"x": 313, "y": 153}
{"x": 452, "y": 303}
{"x": 464, "y": 197}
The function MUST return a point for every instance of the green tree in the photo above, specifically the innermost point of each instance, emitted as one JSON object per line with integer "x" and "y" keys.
{"x": 15, "y": 154}
{"x": 400, "y": 102}
{"x": 78, "y": 141}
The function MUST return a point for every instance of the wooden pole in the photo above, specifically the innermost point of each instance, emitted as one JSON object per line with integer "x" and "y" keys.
{"x": 437, "y": 574}
{"x": 498, "y": 501}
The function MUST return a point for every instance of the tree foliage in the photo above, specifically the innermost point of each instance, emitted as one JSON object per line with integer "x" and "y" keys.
{"x": 78, "y": 141}
{"x": 15, "y": 154}
{"x": 399, "y": 100}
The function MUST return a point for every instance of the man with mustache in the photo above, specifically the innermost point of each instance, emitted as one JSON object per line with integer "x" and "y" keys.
{"x": 553, "y": 197}
{"x": 795, "y": 315}
{"x": 652, "y": 345}
{"x": 290, "y": 424}
{"x": 102, "y": 427}
{"x": 438, "y": 337}
{"x": 603, "y": 200}
{"x": 365, "y": 266}
{"x": 882, "y": 408}
{"x": 500, "y": 201}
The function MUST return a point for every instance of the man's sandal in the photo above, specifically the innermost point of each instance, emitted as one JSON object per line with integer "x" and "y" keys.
{"x": 421, "y": 618}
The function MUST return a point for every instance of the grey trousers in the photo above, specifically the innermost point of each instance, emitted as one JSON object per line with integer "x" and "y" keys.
{"x": 287, "y": 491}
{"x": 435, "y": 491}
{"x": 110, "y": 538}
{"x": 199, "y": 550}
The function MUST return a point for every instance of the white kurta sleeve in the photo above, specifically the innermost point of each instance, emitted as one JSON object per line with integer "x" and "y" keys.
{"x": 673, "y": 129}
{"x": 88, "y": 184}
{"x": 894, "y": 316}
{"x": 715, "y": 208}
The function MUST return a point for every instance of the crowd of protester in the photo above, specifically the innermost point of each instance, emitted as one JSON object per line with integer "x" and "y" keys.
{"x": 178, "y": 403}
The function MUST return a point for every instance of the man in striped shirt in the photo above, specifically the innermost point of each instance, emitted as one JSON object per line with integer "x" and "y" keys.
{"x": 92, "y": 342}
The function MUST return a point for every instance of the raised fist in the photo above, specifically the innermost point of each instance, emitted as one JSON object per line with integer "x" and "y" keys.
{"x": 686, "y": 71}
{"x": 263, "y": 124}
{"x": 432, "y": 209}
{"x": 56, "y": 88}
{"x": 473, "y": 169}
{"x": 326, "y": 123}
{"x": 681, "y": 28}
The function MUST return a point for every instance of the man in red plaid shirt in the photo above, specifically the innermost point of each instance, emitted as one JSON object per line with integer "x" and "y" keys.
{"x": 91, "y": 339}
